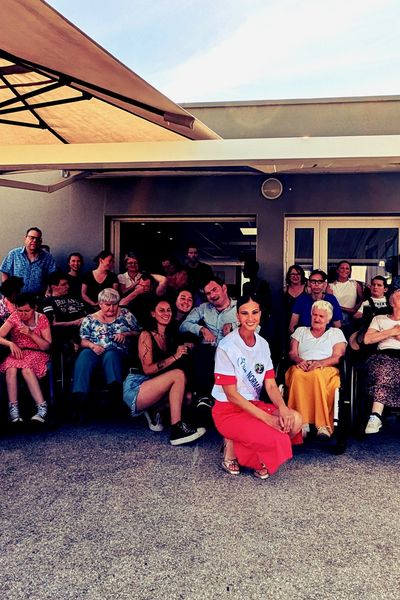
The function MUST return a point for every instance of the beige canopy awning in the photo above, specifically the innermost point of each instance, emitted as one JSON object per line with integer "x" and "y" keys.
{"x": 351, "y": 154}
{"x": 58, "y": 86}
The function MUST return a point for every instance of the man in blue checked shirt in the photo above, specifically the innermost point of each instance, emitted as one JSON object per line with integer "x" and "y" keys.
{"x": 30, "y": 262}
{"x": 211, "y": 321}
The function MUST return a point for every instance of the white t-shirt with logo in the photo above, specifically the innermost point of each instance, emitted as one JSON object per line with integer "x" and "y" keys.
{"x": 378, "y": 303}
{"x": 242, "y": 365}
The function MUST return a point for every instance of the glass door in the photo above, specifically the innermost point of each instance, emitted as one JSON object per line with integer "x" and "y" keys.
{"x": 301, "y": 243}
{"x": 370, "y": 245}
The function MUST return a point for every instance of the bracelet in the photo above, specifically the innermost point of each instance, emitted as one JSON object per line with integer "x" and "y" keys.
{"x": 174, "y": 357}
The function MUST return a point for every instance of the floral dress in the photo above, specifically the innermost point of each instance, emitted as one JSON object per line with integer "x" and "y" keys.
{"x": 32, "y": 357}
{"x": 6, "y": 308}
{"x": 103, "y": 333}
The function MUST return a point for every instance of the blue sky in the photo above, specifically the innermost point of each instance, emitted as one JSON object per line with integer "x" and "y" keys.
{"x": 224, "y": 50}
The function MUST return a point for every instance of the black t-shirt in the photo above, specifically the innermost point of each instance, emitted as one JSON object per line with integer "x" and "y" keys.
{"x": 199, "y": 275}
{"x": 94, "y": 288}
{"x": 63, "y": 309}
{"x": 75, "y": 286}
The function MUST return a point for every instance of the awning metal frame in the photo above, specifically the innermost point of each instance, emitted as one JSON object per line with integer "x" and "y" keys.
{"x": 66, "y": 180}
{"x": 6, "y": 107}
{"x": 88, "y": 91}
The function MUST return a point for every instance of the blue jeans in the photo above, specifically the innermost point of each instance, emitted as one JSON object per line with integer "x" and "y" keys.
{"x": 111, "y": 362}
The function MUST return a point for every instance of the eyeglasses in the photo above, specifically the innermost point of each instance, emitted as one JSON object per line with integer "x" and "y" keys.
{"x": 34, "y": 237}
{"x": 317, "y": 281}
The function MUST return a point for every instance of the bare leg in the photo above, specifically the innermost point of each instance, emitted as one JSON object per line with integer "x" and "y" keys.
{"x": 229, "y": 452}
{"x": 33, "y": 386}
{"x": 11, "y": 380}
{"x": 151, "y": 391}
{"x": 377, "y": 407}
{"x": 229, "y": 461}
{"x": 298, "y": 424}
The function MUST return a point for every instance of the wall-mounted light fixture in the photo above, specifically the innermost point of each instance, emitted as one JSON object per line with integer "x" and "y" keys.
{"x": 271, "y": 188}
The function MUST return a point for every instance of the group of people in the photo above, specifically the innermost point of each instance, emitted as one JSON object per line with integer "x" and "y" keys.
{"x": 177, "y": 348}
{"x": 342, "y": 313}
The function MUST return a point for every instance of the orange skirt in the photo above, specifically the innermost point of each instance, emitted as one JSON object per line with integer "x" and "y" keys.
{"x": 312, "y": 394}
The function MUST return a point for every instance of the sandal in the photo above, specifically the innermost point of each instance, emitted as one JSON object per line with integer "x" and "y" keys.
{"x": 231, "y": 466}
{"x": 261, "y": 473}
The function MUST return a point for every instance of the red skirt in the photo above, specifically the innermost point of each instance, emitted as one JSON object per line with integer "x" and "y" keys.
{"x": 255, "y": 443}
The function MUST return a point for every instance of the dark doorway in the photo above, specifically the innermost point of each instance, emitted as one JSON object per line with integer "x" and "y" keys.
{"x": 224, "y": 243}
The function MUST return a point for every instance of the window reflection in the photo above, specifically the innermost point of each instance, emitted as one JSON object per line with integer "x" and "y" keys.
{"x": 370, "y": 251}
{"x": 304, "y": 248}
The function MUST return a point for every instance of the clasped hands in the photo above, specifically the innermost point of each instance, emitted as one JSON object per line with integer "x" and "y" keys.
{"x": 309, "y": 365}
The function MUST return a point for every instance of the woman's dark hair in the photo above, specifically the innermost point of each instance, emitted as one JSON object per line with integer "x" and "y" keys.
{"x": 11, "y": 286}
{"x": 78, "y": 254}
{"x": 299, "y": 270}
{"x": 102, "y": 255}
{"x": 151, "y": 323}
{"x": 25, "y": 298}
{"x": 245, "y": 299}
{"x": 172, "y": 297}
{"x": 343, "y": 262}
{"x": 185, "y": 289}
{"x": 155, "y": 300}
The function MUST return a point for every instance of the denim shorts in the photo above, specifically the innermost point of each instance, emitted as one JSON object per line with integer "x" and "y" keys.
{"x": 131, "y": 389}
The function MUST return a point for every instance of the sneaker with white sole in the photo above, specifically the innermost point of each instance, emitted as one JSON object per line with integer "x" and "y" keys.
{"x": 374, "y": 424}
{"x": 205, "y": 402}
{"x": 14, "y": 413}
{"x": 183, "y": 434}
{"x": 154, "y": 421}
{"x": 41, "y": 413}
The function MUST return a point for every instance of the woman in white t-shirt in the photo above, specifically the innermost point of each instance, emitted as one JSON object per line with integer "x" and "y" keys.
{"x": 313, "y": 379}
{"x": 257, "y": 435}
{"x": 383, "y": 368}
{"x": 348, "y": 292}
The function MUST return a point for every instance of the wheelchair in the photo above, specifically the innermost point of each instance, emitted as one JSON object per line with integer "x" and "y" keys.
{"x": 342, "y": 408}
{"x": 360, "y": 402}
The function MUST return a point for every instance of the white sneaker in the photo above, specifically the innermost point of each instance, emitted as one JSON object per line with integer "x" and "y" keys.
{"x": 41, "y": 413}
{"x": 14, "y": 413}
{"x": 374, "y": 424}
{"x": 154, "y": 421}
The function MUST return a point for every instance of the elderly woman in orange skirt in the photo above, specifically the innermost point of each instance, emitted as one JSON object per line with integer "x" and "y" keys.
{"x": 314, "y": 377}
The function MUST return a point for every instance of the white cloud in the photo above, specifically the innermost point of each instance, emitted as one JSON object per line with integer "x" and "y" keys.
{"x": 286, "y": 39}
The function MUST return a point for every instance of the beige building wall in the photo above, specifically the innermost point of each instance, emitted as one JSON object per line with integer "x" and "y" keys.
{"x": 378, "y": 115}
